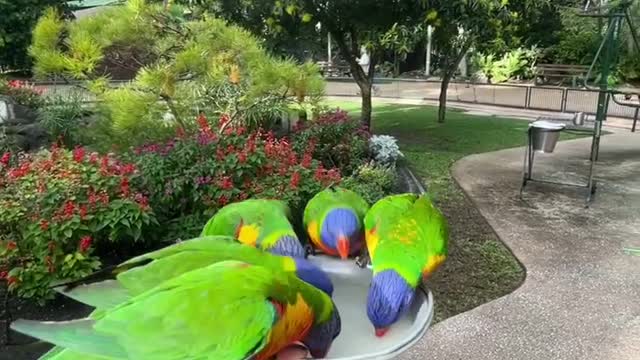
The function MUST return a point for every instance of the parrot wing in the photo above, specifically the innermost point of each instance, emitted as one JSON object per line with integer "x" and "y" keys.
{"x": 410, "y": 238}
{"x": 385, "y": 211}
{"x": 221, "y": 311}
{"x": 106, "y": 289}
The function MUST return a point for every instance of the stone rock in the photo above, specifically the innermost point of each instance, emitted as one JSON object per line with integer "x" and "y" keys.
{"x": 12, "y": 113}
{"x": 28, "y": 137}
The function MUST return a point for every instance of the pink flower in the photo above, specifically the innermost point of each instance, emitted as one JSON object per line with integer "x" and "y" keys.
{"x": 295, "y": 180}
{"x": 6, "y": 157}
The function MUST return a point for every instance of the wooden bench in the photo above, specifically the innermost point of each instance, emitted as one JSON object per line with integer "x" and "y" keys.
{"x": 334, "y": 69}
{"x": 546, "y": 72}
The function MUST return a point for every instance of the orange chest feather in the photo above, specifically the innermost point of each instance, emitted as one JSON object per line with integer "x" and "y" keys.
{"x": 294, "y": 324}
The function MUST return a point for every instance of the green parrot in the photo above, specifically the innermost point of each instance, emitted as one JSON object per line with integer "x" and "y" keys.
{"x": 227, "y": 310}
{"x": 112, "y": 286}
{"x": 333, "y": 219}
{"x": 260, "y": 223}
{"x": 407, "y": 241}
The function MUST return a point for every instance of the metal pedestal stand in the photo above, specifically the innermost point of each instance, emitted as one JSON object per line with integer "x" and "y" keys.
{"x": 590, "y": 186}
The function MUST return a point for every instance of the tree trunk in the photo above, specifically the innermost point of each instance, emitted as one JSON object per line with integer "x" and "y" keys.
{"x": 442, "y": 108}
{"x": 449, "y": 71}
{"x": 366, "y": 106}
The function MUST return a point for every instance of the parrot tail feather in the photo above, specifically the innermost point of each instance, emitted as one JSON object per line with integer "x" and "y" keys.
{"x": 103, "y": 295}
{"x": 76, "y": 335}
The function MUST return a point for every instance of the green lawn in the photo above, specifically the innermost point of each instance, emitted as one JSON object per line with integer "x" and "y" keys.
{"x": 479, "y": 267}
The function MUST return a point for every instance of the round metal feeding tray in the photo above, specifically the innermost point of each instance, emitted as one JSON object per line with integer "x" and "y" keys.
{"x": 545, "y": 135}
{"x": 357, "y": 340}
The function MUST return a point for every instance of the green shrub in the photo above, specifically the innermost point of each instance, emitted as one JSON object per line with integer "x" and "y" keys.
{"x": 56, "y": 208}
{"x": 179, "y": 67}
{"x": 62, "y": 117}
{"x": 191, "y": 176}
{"x": 372, "y": 181}
{"x": 339, "y": 140}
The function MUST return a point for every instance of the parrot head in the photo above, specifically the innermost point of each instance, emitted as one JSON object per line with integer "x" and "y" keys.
{"x": 321, "y": 335}
{"x": 313, "y": 275}
{"x": 341, "y": 231}
{"x": 288, "y": 246}
{"x": 390, "y": 296}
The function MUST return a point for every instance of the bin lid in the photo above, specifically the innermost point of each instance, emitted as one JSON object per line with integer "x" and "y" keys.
{"x": 549, "y": 125}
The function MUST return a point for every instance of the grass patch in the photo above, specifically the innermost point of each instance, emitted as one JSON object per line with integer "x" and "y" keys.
{"x": 479, "y": 267}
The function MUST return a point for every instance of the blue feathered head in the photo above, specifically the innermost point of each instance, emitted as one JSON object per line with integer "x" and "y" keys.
{"x": 321, "y": 336}
{"x": 313, "y": 275}
{"x": 390, "y": 296}
{"x": 341, "y": 231}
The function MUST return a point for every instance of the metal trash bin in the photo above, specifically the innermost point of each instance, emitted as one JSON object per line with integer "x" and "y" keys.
{"x": 545, "y": 135}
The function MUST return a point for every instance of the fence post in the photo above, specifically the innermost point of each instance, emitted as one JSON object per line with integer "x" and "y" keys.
{"x": 563, "y": 105}
{"x": 527, "y": 95}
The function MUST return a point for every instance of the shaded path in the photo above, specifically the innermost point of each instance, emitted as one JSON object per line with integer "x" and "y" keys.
{"x": 581, "y": 297}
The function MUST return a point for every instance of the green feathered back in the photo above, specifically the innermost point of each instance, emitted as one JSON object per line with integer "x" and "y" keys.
{"x": 332, "y": 198}
{"x": 271, "y": 217}
{"x": 408, "y": 234}
{"x": 142, "y": 273}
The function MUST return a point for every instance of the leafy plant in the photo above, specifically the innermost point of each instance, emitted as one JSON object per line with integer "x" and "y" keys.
{"x": 385, "y": 149}
{"x": 191, "y": 176}
{"x": 180, "y": 66}
{"x": 484, "y": 64}
{"x": 62, "y": 117}
{"x": 22, "y": 93}
{"x": 56, "y": 208}
{"x": 339, "y": 140}
{"x": 372, "y": 181}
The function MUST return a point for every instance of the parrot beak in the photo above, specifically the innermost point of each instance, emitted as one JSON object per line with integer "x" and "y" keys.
{"x": 381, "y": 332}
{"x": 343, "y": 247}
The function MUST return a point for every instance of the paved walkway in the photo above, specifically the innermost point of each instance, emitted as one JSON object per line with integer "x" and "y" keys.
{"x": 581, "y": 296}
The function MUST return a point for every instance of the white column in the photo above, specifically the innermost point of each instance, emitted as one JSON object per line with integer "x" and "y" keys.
{"x": 329, "y": 57}
{"x": 427, "y": 70}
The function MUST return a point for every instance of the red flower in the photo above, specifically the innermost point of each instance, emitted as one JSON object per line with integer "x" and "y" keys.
{"x": 93, "y": 158}
{"x": 223, "y": 200}
{"x": 243, "y": 196}
{"x": 242, "y": 157}
{"x": 224, "y": 118}
{"x": 306, "y": 161}
{"x": 83, "y": 211}
{"x": 241, "y": 130}
{"x": 142, "y": 200}
{"x": 231, "y": 149}
{"x": 85, "y": 243}
{"x": 124, "y": 186}
{"x": 78, "y": 154}
{"x": 128, "y": 169}
{"x": 11, "y": 280}
{"x": 293, "y": 159}
{"x": 319, "y": 174}
{"x": 3, "y": 274}
{"x": 203, "y": 124}
{"x": 226, "y": 183}
{"x": 69, "y": 209}
{"x": 104, "y": 197}
{"x": 11, "y": 245}
{"x": 6, "y": 157}
{"x": 220, "y": 154}
{"x": 295, "y": 180}
{"x": 44, "y": 225}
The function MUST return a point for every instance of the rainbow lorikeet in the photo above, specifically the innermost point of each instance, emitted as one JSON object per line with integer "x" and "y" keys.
{"x": 407, "y": 240}
{"x": 257, "y": 222}
{"x": 112, "y": 286}
{"x": 333, "y": 219}
{"x": 227, "y": 310}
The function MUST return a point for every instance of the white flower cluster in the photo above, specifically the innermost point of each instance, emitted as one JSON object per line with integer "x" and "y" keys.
{"x": 385, "y": 149}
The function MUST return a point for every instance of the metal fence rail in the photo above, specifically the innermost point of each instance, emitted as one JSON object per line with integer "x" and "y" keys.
{"x": 548, "y": 98}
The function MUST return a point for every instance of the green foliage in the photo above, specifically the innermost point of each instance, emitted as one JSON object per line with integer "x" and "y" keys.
{"x": 339, "y": 141}
{"x": 22, "y": 93}
{"x": 578, "y": 39}
{"x": 190, "y": 177}
{"x": 17, "y": 20}
{"x": 56, "y": 207}
{"x": 516, "y": 63}
{"x": 182, "y": 66}
{"x": 62, "y": 117}
{"x": 372, "y": 181}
